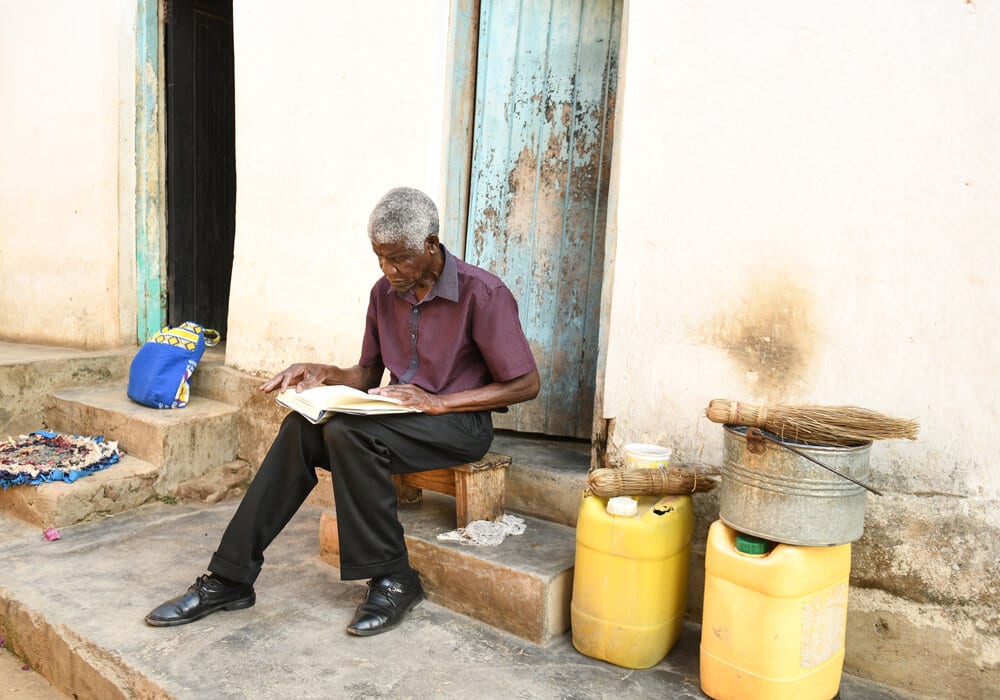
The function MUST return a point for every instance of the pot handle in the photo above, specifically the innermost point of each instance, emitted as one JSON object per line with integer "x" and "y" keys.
{"x": 755, "y": 435}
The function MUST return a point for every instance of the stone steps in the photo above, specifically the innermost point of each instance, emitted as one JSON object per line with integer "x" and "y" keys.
{"x": 128, "y": 484}
{"x": 187, "y": 454}
{"x": 30, "y": 373}
{"x": 546, "y": 476}
{"x": 73, "y": 610}
{"x": 122, "y": 486}
{"x": 204, "y": 452}
{"x": 522, "y": 585}
{"x": 183, "y": 443}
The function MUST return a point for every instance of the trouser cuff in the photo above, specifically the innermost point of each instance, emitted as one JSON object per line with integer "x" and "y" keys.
{"x": 352, "y": 573}
{"x": 234, "y": 573}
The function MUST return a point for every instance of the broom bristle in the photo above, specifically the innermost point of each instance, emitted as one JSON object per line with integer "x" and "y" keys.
{"x": 608, "y": 483}
{"x": 840, "y": 426}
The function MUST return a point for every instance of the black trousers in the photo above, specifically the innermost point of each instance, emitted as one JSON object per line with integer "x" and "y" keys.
{"x": 362, "y": 453}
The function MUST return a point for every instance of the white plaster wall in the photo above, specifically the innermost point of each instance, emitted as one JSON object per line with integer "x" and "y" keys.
{"x": 808, "y": 197}
{"x": 61, "y": 66}
{"x": 335, "y": 104}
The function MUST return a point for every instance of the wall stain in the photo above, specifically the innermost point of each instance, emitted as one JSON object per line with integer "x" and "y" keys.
{"x": 769, "y": 333}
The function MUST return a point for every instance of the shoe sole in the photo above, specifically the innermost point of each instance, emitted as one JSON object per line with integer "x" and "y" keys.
{"x": 391, "y": 626}
{"x": 241, "y": 604}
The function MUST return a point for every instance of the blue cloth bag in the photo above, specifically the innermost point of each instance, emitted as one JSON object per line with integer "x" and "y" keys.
{"x": 160, "y": 373}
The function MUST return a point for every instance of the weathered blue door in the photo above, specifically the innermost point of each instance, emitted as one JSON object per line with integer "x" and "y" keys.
{"x": 545, "y": 93}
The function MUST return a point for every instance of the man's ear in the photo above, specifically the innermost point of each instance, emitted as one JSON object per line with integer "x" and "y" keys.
{"x": 432, "y": 242}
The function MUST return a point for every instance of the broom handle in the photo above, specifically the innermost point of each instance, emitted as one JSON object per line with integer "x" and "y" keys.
{"x": 758, "y": 433}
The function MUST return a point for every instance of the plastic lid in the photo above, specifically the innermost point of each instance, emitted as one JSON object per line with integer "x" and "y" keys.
{"x": 622, "y": 505}
{"x": 646, "y": 451}
{"x": 748, "y": 544}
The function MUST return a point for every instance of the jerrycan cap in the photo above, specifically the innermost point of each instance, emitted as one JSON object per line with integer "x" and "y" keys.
{"x": 622, "y": 505}
{"x": 749, "y": 544}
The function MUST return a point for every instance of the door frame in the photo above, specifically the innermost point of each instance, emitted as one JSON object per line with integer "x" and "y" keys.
{"x": 150, "y": 223}
{"x": 456, "y": 166}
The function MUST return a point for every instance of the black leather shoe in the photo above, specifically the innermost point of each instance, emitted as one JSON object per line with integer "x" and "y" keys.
{"x": 207, "y": 595}
{"x": 388, "y": 600}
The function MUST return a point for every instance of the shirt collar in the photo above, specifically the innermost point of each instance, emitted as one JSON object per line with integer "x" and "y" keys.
{"x": 446, "y": 286}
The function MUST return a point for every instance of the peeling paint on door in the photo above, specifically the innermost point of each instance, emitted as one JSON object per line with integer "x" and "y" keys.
{"x": 546, "y": 82}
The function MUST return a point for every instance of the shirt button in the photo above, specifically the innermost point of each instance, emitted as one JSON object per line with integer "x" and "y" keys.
{"x": 413, "y": 363}
{"x": 414, "y": 311}
{"x": 412, "y": 335}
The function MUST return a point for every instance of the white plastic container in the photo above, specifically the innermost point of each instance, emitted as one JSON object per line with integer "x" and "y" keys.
{"x": 640, "y": 455}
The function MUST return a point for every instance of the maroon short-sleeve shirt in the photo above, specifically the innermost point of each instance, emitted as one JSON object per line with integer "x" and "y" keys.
{"x": 463, "y": 335}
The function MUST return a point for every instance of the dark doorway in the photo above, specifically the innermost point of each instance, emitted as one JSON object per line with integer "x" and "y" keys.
{"x": 201, "y": 160}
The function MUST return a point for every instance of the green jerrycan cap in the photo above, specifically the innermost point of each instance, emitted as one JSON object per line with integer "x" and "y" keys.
{"x": 748, "y": 544}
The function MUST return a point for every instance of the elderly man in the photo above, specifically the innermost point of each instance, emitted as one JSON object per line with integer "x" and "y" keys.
{"x": 449, "y": 334}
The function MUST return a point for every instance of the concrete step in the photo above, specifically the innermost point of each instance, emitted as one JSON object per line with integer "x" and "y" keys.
{"x": 73, "y": 610}
{"x": 183, "y": 443}
{"x": 546, "y": 475}
{"x": 213, "y": 380}
{"x": 522, "y": 585}
{"x": 259, "y": 414}
{"x": 127, "y": 484}
{"x": 30, "y": 373}
{"x": 184, "y": 454}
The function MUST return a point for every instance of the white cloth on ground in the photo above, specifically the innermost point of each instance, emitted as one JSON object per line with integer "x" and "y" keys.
{"x": 485, "y": 532}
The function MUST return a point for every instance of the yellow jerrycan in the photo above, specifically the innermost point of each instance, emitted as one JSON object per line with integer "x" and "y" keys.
{"x": 630, "y": 581}
{"x": 774, "y": 618}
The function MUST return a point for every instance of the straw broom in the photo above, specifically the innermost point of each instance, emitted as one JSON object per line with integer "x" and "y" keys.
{"x": 639, "y": 482}
{"x": 837, "y": 426}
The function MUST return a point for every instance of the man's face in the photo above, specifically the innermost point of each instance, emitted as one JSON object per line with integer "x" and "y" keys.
{"x": 404, "y": 268}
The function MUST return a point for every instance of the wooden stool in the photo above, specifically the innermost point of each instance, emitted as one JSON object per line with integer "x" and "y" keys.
{"x": 478, "y": 487}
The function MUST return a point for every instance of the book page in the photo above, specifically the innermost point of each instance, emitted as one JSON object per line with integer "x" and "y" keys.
{"x": 312, "y": 403}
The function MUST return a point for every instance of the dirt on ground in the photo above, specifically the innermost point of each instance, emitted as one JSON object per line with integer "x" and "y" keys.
{"x": 19, "y": 682}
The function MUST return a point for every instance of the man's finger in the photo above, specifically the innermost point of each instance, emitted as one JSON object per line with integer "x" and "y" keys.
{"x": 270, "y": 384}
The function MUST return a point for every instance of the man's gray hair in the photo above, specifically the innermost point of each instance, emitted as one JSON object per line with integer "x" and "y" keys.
{"x": 405, "y": 216}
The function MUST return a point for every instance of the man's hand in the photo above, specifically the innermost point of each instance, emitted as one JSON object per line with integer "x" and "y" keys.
{"x": 485, "y": 398}
{"x": 303, "y": 375}
{"x": 413, "y": 395}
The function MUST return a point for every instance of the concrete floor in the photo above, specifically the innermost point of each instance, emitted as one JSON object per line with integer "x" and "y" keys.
{"x": 21, "y": 682}
{"x": 76, "y": 605}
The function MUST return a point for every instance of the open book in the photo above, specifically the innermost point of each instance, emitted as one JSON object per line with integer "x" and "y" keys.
{"x": 321, "y": 402}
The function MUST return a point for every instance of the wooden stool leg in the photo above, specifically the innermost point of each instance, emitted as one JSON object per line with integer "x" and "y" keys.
{"x": 478, "y": 495}
{"x": 405, "y": 493}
